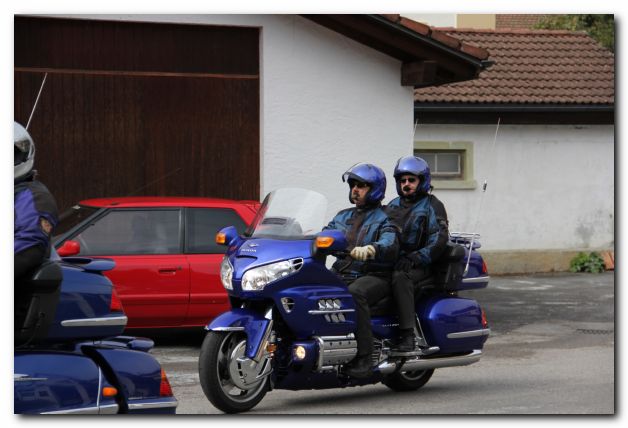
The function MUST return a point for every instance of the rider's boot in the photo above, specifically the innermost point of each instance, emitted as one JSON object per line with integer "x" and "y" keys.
{"x": 360, "y": 367}
{"x": 407, "y": 342}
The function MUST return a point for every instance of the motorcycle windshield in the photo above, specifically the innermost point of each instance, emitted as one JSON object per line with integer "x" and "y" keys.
{"x": 289, "y": 213}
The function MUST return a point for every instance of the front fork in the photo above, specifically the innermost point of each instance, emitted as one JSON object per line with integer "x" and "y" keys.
{"x": 255, "y": 362}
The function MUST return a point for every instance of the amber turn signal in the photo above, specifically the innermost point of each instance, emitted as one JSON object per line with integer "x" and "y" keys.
{"x": 324, "y": 242}
{"x": 221, "y": 238}
{"x": 109, "y": 391}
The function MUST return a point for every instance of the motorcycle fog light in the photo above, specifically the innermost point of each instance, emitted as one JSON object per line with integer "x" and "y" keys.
{"x": 299, "y": 352}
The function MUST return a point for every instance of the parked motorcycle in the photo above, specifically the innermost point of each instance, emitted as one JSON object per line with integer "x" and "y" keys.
{"x": 68, "y": 358}
{"x": 292, "y": 321}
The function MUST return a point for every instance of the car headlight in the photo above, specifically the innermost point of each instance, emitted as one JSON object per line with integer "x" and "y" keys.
{"x": 226, "y": 273}
{"x": 257, "y": 278}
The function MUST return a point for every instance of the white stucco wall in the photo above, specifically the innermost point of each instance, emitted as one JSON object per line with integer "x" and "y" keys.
{"x": 549, "y": 187}
{"x": 327, "y": 102}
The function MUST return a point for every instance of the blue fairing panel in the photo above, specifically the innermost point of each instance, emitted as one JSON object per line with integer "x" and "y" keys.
{"x": 253, "y": 324}
{"x": 54, "y": 382}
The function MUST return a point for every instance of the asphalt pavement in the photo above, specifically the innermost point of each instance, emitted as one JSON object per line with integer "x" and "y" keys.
{"x": 551, "y": 351}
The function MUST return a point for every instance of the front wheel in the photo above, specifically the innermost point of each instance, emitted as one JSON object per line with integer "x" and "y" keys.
{"x": 227, "y": 376}
{"x": 408, "y": 381}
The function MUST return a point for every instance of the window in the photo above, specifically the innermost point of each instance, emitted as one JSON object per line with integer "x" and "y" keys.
{"x": 451, "y": 163}
{"x": 126, "y": 232}
{"x": 202, "y": 226}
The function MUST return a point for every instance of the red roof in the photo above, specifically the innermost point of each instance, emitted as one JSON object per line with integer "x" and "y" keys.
{"x": 532, "y": 67}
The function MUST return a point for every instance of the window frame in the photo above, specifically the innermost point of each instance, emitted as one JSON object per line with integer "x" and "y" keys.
{"x": 107, "y": 211}
{"x": 186, "y": 219}
{"x": 465, "y": 148}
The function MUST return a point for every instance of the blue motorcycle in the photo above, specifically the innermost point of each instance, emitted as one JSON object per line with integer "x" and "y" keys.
{"x": 68, "y": 358}
{"x": 293, "y": 320}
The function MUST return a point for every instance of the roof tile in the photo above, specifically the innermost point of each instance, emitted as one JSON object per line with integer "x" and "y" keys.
{"x": 532, "y": 67}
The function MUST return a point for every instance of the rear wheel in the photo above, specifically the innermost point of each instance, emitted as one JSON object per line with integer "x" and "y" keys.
{"x": 223, "y": 371}
{"x": 408, "y": 381}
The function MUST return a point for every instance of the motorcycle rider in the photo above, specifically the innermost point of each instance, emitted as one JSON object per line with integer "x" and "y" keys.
{"x": 422, "y": 219}
{"x": 373, "y": 243}
{"x": 34, "y": 208}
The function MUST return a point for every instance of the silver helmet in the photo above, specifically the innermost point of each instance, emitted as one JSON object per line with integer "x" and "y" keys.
{"x": 23, "y": 152}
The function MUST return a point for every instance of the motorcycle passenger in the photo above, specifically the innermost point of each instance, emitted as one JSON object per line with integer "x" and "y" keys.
{"x": 35, "y": 209}
{"x": 424, "y": 234}
{"x": 373, "y": 243}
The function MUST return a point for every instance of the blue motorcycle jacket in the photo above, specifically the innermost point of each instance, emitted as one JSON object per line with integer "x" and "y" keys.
{"x": 35, "y": 215}
{"x": 420, "y": 229}
{"x": 376, "y": 230}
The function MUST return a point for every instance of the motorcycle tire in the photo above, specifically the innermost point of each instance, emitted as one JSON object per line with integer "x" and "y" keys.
{"x": 216, "y": 381}
{"x": 408, "y": 381}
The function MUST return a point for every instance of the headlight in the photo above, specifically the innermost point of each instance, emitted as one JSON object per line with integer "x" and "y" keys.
{"x": 257, "y": 278}
{"x": 226, "y": 273}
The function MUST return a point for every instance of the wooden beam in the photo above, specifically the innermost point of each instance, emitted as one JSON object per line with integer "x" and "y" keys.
{"x": 418, "y": 73}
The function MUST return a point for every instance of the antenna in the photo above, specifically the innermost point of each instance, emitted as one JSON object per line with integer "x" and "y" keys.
{"x": 36, "y": 101}
{"x": 477, "y": 218}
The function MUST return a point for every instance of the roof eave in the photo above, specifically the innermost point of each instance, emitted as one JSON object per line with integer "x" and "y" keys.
{"x": 426, "y": 62}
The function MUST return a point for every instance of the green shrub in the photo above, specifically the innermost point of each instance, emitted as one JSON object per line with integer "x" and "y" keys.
{"x": 587, "y": 263}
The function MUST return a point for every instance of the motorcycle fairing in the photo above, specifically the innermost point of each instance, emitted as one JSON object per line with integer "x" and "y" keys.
{"x": 252, "y": 323}
{"x": 304, "y": 316}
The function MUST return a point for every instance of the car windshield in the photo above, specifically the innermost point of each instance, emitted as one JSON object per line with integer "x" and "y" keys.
{"x": 70, "y": 218}
{"x": 289, "y": 213}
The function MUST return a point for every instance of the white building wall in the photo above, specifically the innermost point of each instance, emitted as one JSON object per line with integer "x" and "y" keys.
{"x": 327, "y": 102}
{"x": 549, "y": 187}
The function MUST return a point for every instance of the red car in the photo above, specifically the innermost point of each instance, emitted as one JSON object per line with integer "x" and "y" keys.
{"x": 167, "y": 270}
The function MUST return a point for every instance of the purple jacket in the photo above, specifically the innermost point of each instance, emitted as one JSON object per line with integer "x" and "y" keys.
{"x": 36, "y": 215}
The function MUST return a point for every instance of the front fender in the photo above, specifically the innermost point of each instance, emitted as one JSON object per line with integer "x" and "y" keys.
{"x": 252, "y": 323}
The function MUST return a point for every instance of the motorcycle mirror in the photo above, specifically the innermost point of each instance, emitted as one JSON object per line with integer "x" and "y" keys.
{"x": 226, "y": 235}
{"x": 329, "y": 241}
{"x": 69, "y": 248}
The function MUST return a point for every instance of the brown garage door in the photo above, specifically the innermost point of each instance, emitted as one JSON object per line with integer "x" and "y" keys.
{"x": 140, "y": 108}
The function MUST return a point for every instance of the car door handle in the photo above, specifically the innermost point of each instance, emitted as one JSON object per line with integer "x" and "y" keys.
{"x": 171, "y": 270}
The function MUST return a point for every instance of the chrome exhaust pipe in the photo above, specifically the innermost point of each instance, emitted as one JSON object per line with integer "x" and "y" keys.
{"x": 388, "y": 367}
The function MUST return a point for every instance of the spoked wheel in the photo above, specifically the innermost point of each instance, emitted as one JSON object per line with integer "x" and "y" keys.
{"x": 408, "y": 381}
{"x": 227, "y": 377}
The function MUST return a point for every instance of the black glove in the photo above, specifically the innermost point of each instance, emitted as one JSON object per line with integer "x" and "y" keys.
{"x": 408, "y": 262}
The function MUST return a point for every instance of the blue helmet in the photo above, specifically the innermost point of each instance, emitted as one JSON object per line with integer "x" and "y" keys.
{"x": 415, "y": 166}
{"x": 371, "y": 174}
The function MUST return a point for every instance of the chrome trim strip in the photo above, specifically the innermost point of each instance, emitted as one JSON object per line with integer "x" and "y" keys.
{"x": 227, "y": 329}
{"x": 321, "y": 346}
{"x": 476, "y": 279}
{"x": 92, "y": 322}
{"x": 81, "y": 411}
{"x": 329, "y": 311}
{"x": 349, "y": 336}
{"x": 99, "y": 391}
{"x": 471, "y": 333}
{"x": 153, "y": 405}
{"x": 109, "y": 409}
{"x": 18, "y": 377}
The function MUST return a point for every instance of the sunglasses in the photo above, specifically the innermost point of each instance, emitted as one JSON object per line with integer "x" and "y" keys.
{"x": 409, "y": 180}
{"x": 359, "y": 185}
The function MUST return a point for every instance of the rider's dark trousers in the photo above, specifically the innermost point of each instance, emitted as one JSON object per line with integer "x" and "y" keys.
{"x": 404, "y": 287}
{"x": 367, "y": 290}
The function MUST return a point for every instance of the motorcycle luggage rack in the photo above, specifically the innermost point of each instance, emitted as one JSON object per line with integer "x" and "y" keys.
{"x": 465, "y": 238}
